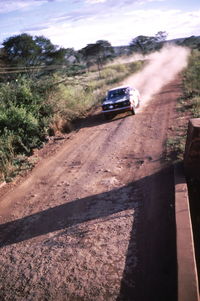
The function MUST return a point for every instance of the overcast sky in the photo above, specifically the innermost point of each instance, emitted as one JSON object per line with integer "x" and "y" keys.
{"x": 76, "y": 23}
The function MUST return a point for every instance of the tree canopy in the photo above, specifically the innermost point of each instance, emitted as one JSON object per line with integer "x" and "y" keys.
{"x": 145, "y": 44}
{"x": 25, "y": 50}
{"x": 97, "y": 53}
{"x": 192, "y": 42}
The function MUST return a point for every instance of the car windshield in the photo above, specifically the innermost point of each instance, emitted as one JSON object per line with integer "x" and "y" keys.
{"x": 117, "y": 93}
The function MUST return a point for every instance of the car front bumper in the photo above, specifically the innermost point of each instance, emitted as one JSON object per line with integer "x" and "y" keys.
{"x": 118, "y": 110}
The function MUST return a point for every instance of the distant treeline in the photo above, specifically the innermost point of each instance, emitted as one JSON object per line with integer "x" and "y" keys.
{"x": 192, "y": 42}
{"x": 38, "y": 56}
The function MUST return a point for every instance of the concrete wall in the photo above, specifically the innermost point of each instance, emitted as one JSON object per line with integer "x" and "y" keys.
{"x": 192, "y": 149}
{"x": 188, "y": 288}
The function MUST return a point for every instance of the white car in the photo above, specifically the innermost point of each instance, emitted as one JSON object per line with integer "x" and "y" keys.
{"x": 121, "y": 99}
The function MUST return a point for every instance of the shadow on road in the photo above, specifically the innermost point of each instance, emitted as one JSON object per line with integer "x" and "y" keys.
{"x": 98, "y": 119}
{"x": 155, "y": 276}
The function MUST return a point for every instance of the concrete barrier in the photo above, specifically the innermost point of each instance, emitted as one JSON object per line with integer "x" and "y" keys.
{"x": 188, "y": 288}
{"x": 192, "y": 149}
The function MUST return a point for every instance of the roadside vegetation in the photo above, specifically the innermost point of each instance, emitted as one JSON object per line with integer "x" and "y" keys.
{"x": 188, "y": 106}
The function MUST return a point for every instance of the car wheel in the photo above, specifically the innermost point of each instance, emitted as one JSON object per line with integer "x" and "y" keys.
{"x": 107, "y": 116}
{"x": 133, "y": 111}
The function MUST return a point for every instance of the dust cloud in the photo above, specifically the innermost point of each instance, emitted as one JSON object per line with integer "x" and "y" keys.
{"x": 127, "y": 59}
{"x": 161, "y": 68}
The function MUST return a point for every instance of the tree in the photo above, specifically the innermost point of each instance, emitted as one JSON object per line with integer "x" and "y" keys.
{"x": 20, "y": 50}
{"x": 3, "y": 65}
{"x": 88, "y": 54}
{"x": 45, "y": 50}
{"x": 97, "y": 53}
{"x": 161, "y": 36}
{"x": 160, "y": 39}
{"x": 146, "y": 44}
{"x": 142, "y": 44}
{"x": 27, "y": 51}
{"x": 106, "y": 51}
{"x": 192, "y": 42}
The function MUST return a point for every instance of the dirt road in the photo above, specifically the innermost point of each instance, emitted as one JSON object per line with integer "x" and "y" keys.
{"x": 96, "y": 220}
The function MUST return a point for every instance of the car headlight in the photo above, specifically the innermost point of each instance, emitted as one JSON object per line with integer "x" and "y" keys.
{"x": 127, "y": 102}
{"x": 105, "y": 107}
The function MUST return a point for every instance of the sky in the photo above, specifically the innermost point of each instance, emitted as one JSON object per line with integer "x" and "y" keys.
{"x": 76, "y": 23}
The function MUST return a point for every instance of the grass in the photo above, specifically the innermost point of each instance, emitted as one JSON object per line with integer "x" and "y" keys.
{"x": 175, "y": 148}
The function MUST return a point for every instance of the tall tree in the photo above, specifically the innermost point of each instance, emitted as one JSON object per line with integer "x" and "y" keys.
{"x": 25, "y": 50}
{"x": 97, "y": 53}
{"x": 146, "y": 44}
{"x": 161, "y": 36}
{"x": 142, "y": 44}
{"x": 20, "y": 50}
{"x": 106, "y": 51}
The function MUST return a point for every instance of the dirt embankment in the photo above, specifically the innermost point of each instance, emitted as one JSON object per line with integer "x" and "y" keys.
{"x": 96, "y": 220}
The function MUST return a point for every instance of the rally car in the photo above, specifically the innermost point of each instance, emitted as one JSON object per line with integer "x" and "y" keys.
{"x": 121, "y": 99}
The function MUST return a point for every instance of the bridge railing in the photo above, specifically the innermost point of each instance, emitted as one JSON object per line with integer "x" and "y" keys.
{"x": 188, "y": 286}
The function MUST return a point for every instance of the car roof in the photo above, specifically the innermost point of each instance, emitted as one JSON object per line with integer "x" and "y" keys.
{"x": 120, "y": 87}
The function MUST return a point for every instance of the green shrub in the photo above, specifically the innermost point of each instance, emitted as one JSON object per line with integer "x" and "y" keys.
{"x": 7, "y": 153}
{"x": 191, "y": 75}
{"x": 188, "y": 105}
{"x": 196, "y": 107}
{"x": 135, "y": 66}
{"x": 119, "y": 68}
{"x": 191, "y": 84}
{"x": 10, "y": 163}
{"x": 175, "y": 147}
{"x": 108, "y": 73}
{"x": 23, "y": 125}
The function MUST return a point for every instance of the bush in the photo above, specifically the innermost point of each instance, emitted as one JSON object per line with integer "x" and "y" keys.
{"x": 191, "y": 83}
{"x": 23, "y": 126}
{"x": 196, "y": 107}
{"x": 7, "y": 153}
{"x": 191, "y": 76}
{"x": 188, "y": 105}
{"x": 108, "y": 73}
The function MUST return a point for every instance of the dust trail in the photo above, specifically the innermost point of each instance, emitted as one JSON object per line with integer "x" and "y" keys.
{"x": 127, "y": 59}
{"x": 163, "y": 66}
